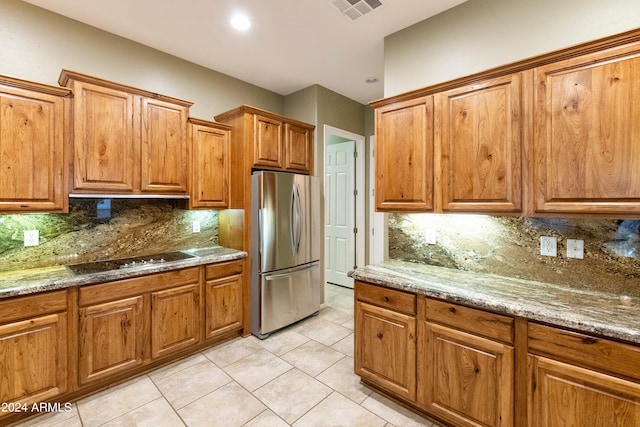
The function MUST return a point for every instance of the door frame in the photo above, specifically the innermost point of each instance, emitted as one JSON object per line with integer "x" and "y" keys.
{"x": 359, "y": 202}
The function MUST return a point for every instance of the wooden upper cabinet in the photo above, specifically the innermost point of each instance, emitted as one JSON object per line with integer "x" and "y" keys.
{"x": 404, "y": 155}
{"x": 480, "y": 140}
{"x": 165, "y": 147}
{"x": 264, "y": 140}
{"x": 587, "y": 134}
{"x": 33, "y": 153}
{"x": 297, "y": 148}
{"x": 127, "y": 140}
{"x": 211, "y": 164}
{"x": 267, "y": 142}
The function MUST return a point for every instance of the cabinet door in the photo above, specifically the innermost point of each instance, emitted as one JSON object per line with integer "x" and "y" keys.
{"x": 465, "y": 379}
{"x": 175, "y": 319}
{"x": 480, "y": 141}
{"x": 566, "y": 395}
{"x": 105, "y": 146}
{"x": 404, "y": 156}
{"x": 111, "y": 338}
{"x": 164, "y": 150}
{"x": 223, "y": 306}
{"x": 33, "y": 357}
{"x": 32, "y": 159}
{"x": 298, "y": 148}
{"x": 586, "y": 134}
{"x": 267, "y": 142}
{"x": 211, "y": 167}
{"x": 385, "y": 349}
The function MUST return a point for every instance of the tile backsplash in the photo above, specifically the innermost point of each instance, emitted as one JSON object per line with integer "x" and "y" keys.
{"x": 510, "y": 246}
{"x": 104, "y": 229}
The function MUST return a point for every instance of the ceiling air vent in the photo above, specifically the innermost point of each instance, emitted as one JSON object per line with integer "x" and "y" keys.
{"x": 354, "y": 9}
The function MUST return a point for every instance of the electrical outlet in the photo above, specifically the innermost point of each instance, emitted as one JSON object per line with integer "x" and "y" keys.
{"x": 31, "y": 238}
{"x": 548, "y": 246}
{"x": 575, "y": 248}
{"x": 196, "y": 226}
{"x": 430, "y": 236}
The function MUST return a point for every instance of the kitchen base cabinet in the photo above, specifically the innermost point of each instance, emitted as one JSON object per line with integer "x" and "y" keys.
{"x": 223, "y": 299}
{"x": 33, "y": 349}
{"x": 111, "y": 338}
{"x": 175, "y": 319}
{"x": 385, "y": 339}
{"x": 468, "y": 379}
{"x": 566, "y": 395}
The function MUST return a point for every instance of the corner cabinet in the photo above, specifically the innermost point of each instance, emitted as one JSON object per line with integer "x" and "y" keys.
{"x": 126, "y": 140}
{"x": 33, "y": 147}
{"x": 211, "y": 162}
{"x": 587, "y": 132}
{"x": 404, "y": 156}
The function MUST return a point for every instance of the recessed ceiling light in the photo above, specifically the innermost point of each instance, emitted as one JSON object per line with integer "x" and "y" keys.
{"x": 240, "y": 22}
{"x": 372, "y": 80}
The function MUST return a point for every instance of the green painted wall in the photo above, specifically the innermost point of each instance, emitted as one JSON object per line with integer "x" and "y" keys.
{"x": 36, "y": 44}
{"x": 482, "y": 34}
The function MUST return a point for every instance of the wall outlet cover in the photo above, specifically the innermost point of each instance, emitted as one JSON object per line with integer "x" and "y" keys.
{"x": 31, "y": 238}
{"x": 430, "y": 236}
{"x": 575, "y": 248}
{"x": 196, "y": 226}
{"x": 548, "y": 246}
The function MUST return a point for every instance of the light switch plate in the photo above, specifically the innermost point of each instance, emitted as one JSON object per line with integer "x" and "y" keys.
{"x": 196, "y": 226}
{"x": 31, "y": 238}
{"x": 548, "y": 246}
{"x": 575, "y": 248}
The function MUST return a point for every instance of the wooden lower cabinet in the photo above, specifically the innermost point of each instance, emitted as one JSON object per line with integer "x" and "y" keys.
{"x": 465, "y": 379}
{"x": 566, "y": 395}
{"x": 223, "y": 298}
{"x": 385, "y": 349}
{"x": 175, "y": 319}
{"x": 111, "y": 338}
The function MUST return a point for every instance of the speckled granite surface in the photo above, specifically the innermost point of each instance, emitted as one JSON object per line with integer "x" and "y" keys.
{"x": 601, "y": 313}
{"x": 29, "y": 281}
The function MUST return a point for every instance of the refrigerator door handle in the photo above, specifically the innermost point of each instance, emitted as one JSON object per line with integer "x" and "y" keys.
{"x": 309, "y": 267}
{"x": 295, "y": 224}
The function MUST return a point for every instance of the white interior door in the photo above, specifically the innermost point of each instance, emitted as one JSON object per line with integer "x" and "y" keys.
{"x": 339, "y": 213}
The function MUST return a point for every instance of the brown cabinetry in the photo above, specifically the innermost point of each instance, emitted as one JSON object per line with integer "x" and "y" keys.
{"x": 126, "y": 140}
{"x": 264, "y": 140}
{"x": 404, "y": 156}
{"x": 211, "y": 164}
{"x": 479, "y": 137}
{"x": 33, "y": 348}
{"x": 577, "y": 379}
{"x": 223, "y": 299}
{"x": 465, "y": 375}
{"x": 385, "y": 339}
{"x": 586, "y": 133}
{"x": 127, "y": 323}
{"x": 33, "y": 152}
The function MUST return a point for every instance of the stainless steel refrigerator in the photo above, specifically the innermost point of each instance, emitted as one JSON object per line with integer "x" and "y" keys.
{"x": 285, "y": 250}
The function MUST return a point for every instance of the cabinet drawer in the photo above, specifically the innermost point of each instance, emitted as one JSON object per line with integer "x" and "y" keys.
{"x": 22, "y": 307}
{"x": 472, "y": 320}
{"x": 92, "y": 294}
{"x": 401, "y": 301}
{"x": 586, "y": 350}
{"x": 213, "y": 271}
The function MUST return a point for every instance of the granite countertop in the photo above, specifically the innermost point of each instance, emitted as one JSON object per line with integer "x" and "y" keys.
{"x": 606, "y": 314}
{"x": 24, "y": 282}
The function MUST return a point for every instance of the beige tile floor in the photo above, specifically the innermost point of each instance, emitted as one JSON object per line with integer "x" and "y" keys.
{"x": 300, "y": 376}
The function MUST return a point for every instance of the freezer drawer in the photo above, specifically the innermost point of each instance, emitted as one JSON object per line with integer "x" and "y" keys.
{"x": 286, "y": 296}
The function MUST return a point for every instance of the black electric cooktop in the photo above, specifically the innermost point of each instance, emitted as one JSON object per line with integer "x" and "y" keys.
{"x": 116, "y": 264}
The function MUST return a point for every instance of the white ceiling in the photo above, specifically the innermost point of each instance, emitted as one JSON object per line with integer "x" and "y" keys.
{"x": 291, "y": 45}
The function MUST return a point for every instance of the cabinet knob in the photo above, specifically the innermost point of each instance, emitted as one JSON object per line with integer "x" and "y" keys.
{"x": 452, "y": 309}
{"x": 386, "y": 299}
{"x": 380, "y": 335}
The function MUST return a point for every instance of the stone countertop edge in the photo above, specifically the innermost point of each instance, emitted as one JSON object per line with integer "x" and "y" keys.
{"x": 604, "y": 314}
{"x": 26, "y": 282}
